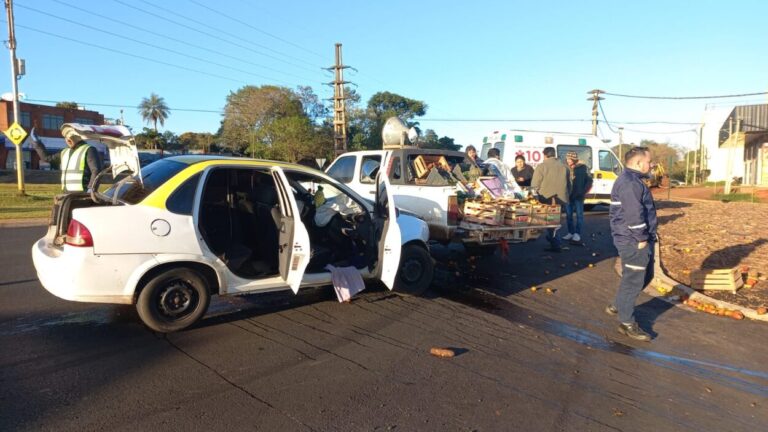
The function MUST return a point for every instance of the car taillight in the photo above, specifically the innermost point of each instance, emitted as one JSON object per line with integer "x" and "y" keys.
{"x": 78, "y": 235}
{"x": 453, "y": 210}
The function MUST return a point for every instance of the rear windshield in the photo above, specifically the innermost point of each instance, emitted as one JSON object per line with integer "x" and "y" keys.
{"x": 153, "y": 176}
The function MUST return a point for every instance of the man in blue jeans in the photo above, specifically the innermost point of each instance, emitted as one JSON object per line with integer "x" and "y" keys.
{"x": 552, "y": 184}
{"x": 633, "y": 227}
{"x": 581, "y": 183}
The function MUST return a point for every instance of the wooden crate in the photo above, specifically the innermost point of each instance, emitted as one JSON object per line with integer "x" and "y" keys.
{"x": 420, "y": 166}
{"x": 512, "y": 219}
{"x": 483, "y": 213}
{"x": 545, "y": 215}
{"x": 717, "y": 279}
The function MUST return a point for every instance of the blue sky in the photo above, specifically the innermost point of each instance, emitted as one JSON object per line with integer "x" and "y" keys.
{"x": 467, "y": 60}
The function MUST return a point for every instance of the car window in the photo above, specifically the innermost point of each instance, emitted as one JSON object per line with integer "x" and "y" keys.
{"x": 182, "y": 199}
{"x": 395, "y": 169}
{"x": 153, "y": 176}
{"x": 369, "y": 168}
{"x": 326, "y": 197}
{"x": 343, "y": 169}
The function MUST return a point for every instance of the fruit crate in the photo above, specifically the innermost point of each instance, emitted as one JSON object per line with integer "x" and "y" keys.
{"x": 483, "y": 213}
{"x": 544, "y": 214}
{"x": 717, "y": 279}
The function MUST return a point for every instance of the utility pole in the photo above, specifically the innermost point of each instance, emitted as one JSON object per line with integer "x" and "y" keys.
{"x": 621, "y": 144}
{"x": 339, "y": 104}
{"x": 15, "y": 82}
{"x": 732, "y": 139}
{"x": 595, "y": 100}
{"x": 701, "y": 153}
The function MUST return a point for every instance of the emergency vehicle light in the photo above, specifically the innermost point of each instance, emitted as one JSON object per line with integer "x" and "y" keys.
{"x": 582, "y": 141}
{"x": 518, "y": 138}
{"x": 548, "y": 140}
{"x": 503, "y": 137}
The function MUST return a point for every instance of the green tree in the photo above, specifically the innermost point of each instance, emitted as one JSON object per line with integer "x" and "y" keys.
{"x": 67, "y": 105}
{"x": 154, "y": 109}
{"x": 251, "y": 109}
{"x": 365, "y": 126}
{"x": 313, "y": 107}
{"x": 149, "y": 139}
{"x": 197, "y": 141}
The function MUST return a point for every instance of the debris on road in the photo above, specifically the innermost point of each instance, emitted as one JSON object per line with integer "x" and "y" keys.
{"x": 442, "y": 352}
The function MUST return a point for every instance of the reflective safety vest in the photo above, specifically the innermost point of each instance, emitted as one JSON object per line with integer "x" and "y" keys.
{"x": 73, "y": 168}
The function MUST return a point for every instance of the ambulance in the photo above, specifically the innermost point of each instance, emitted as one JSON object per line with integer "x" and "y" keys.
{"x": 602, "y": 163}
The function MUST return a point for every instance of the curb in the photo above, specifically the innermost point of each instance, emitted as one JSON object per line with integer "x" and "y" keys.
{"x": 23, "y": 223}
{"x": 692, "y": 293}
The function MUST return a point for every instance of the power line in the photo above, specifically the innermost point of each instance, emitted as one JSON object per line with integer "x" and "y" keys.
{"x": 197, "y": 30}
{"x": 200, "y": 59}
{"x": 253, "y": 27}
{"x": 600, "y": 105}
{"x": 217, "y": 52}
{"x": 127, "y": 106}
{"x": 686, "y": 97}
{"x": 113, "y": 50}
{"x": 500, "y": 120}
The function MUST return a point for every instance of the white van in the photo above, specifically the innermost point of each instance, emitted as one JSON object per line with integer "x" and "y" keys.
{"x": 598, "y": 156}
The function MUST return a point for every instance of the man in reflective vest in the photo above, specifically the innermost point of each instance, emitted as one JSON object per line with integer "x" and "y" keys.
{"x": 80, "y": 164}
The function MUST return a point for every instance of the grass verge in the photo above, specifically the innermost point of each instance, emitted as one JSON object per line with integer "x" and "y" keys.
{"x": 35, "y": 204}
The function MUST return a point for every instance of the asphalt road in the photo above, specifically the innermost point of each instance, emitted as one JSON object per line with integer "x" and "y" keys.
{"x": 279, "y": 362}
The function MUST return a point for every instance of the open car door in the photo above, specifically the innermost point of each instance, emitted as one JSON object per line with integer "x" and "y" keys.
{"x": 388, "y": 236}
{"x": 294, "y": 238}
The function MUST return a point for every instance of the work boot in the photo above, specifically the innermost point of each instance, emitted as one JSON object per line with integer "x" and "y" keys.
{"x": 611, "y": 310}
{"x": 568, "y": 236}
{"x": 634, "y": 331}
{"x": 576, "y": 237}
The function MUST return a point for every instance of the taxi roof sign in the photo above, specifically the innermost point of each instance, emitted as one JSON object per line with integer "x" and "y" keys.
{"x": 16, "y": 133}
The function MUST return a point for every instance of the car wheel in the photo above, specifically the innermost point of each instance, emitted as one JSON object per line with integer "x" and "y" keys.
{"x": 416, "y": 271}
{"x": 173, "y": 300}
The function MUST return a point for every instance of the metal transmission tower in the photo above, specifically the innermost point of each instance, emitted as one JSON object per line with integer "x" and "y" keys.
{"x": 596, "y": 99}
{"x": 339, "y": 104}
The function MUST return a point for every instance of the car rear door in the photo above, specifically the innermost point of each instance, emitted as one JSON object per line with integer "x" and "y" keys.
{"x": 388, "y": 236}
{"x": 294, "y": 247}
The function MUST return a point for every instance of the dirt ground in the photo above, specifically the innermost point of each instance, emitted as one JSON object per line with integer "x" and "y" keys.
{"x": 715, "y": 235}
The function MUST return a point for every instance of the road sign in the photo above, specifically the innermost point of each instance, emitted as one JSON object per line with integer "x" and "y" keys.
{"x": 16, "y": 133}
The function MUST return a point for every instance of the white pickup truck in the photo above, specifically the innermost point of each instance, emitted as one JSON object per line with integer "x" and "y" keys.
{"x": 435, "y": 199}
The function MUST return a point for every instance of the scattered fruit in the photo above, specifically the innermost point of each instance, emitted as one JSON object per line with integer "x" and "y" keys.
{"x": 534, "y": 288}
{"x": 550, "y": 291}
{"x": 762, "y": 310}
{"x": 442, "y": 352}
{"x": 591, "y": 265}
{"x": 737, "y": 315}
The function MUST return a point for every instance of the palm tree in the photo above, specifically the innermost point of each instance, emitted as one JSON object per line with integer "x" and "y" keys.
{"x": 154, "y": 109}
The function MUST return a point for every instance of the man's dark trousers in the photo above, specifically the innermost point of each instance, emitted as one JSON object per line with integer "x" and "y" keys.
{"x": 636, "y": 273}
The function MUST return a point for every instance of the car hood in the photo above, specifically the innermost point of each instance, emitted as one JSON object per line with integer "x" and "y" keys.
{"x": 119, "y": 141}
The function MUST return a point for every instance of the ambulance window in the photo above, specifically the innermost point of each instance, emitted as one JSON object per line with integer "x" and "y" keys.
{"x": 584, "y": 153}
{"x": 500, "y": 145}
{"x": 608, "y": 162}
{"x": 484, "y": 152}
{"x": 343, "y": 169}
{"x": 369, "y": 169}
{"x": 181, "y": 200}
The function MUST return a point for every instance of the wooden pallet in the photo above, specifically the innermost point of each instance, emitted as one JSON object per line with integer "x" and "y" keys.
{"x": 717, "y": 279}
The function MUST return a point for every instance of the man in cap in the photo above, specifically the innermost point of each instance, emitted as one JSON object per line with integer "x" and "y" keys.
{"x": 581, "y": 183}
{"x": 80, "y": 164}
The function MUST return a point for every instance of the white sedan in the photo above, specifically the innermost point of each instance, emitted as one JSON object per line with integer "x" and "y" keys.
{"x": 170, "y": 235}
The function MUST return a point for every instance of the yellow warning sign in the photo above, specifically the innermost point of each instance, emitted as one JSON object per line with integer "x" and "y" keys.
{"x": 16, "y": 133}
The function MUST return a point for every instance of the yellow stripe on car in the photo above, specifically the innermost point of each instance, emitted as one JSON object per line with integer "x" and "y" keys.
{"x": 159, "y": 197}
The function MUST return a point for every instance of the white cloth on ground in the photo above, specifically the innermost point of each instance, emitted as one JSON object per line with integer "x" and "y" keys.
{"x": 346, "y": 281}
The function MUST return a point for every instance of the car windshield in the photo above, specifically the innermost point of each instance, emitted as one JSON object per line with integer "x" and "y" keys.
{"x": 153, "y": 176}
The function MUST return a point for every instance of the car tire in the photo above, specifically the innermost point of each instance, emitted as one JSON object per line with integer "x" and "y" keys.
{"x": 173, "y": 300}
{"x": 416, "y": 271}
{"x": 588, "y": 207}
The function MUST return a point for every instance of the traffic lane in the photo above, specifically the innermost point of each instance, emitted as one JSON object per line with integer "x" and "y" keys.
{"x": 309, "y": 363}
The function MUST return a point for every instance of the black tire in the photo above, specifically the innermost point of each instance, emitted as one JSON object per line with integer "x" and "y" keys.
{"x": 416, "y": 270}
{"x": 588, "y": 207}
{"x": 173, "y": 300}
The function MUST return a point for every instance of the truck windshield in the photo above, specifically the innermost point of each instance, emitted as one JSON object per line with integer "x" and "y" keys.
{"x": 153, "y": 176}
{"x": 435, "y": 169}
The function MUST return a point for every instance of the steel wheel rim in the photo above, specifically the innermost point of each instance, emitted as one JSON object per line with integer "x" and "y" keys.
{"x": 176, "y": 299}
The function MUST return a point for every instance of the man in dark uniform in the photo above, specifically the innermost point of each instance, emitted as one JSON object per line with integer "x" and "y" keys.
{"x": 633, "y": 227}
